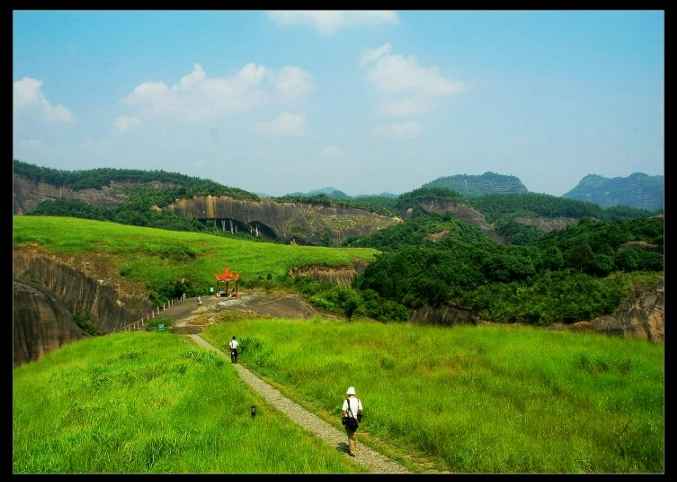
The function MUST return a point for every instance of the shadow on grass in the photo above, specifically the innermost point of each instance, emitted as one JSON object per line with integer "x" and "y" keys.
{"x": 342, "y": 447}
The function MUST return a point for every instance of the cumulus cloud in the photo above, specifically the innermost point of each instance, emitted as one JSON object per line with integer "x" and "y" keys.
{"x": 125, "y": 122}
{"x": 372, "y": 55}
{"x": 28, "y": 97}
{"x": 285, "y": 124}
{"x": 406, "y": 87}
{"x": 197, "y": 97}
{"x": 292, "y": 83}
{"x": 398, "y": 130}
{"x": 328, "y": 22}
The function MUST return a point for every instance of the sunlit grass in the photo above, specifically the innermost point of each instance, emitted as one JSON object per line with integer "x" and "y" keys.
{"x": 151, "y": 402}
{"x": 476, "y": 399}
{"x": 154, "y": 256}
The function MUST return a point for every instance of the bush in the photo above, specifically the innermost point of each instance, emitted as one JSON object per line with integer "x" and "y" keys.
{"x": 562, "y": 296}
{"x": 154, "y": 323}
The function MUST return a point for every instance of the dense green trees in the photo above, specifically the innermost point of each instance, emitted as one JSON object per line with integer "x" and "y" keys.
{"x": 184, "y": 186}
{"x": 350, "y": 301}
{"x": 498, "y": 206}
{"x": 563, "y": 276}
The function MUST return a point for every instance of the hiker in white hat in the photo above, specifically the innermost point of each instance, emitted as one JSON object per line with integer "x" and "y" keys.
{"x": 351, "y": 416}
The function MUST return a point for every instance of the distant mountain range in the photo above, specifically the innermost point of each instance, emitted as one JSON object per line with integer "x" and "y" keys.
{"x": 637, "y": 190}
{"x": 331, "y": 192}
{"x": 479, "y": 185}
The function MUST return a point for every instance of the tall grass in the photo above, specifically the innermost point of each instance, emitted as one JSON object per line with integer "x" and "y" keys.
{"x": 150, "y": 402}
{"x": 476, "y": 399}
{"x": 156, "y": 256}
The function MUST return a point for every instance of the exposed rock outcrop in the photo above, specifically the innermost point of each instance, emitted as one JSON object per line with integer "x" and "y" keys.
{"x": 444, "y": 315}
{"x": 641, "y": 245}
{"x": 642, "y": 315}
{"x": 50, "y": 293}
{"x": 462, "y": 211}
{"x": 546, "y": 225}
{"x": 341, "y": 275}
{"x": 28, "y": 193}
{"x": 299, "y": 222}
{"x": 41, "y": 323}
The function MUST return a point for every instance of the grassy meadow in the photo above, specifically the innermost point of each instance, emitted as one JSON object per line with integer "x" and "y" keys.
{"x": 475, "y": 399}
{"x": 151, "y": 402}
{"x": 157, "y": 257}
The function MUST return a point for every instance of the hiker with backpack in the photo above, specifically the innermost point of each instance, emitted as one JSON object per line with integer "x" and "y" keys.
{"x": 351, "y": 416}
{"x": 233, "y": 349}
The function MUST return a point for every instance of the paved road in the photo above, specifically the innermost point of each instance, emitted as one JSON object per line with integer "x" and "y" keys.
{"x": 372, "y": 460}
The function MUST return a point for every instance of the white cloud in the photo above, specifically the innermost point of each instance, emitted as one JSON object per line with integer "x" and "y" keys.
{"x": 125, "y": 122}
{"x": 406, "y": 87}
{"x": 328, "y": 22}
{"x": 28, "y": 97}
{"x": 332, "y": 152}
{"x": 198, "y": 97}
{"x": 372, "y": 55}
{"x": 398, "y": 130}
{"x": 285, "y": 124}
{"x": 394, "y": 74}
{"x": 293, "y": 83}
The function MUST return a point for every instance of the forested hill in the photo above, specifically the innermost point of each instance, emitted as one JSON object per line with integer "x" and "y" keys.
{"x": 472, "y": 185}
{"x": 330, "y": 192}
{"x": 637, "y": 190}
{"x": 101, "y": 177}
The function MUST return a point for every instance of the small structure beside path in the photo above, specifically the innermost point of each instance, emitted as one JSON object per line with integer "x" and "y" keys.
{"x": 226, "y": 278}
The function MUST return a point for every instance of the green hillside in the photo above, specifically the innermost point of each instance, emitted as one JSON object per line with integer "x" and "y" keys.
{"x": 476, "y": 399}
{"x": 479, "y": 185}
{"x": 151, "y": 402}
{"x": 98, "y": 178}
{"x": 638, "y": 190}
{"x": 576, "y": 274}
{"x": 159, "y": 258}
{"x": 330, "y": 192}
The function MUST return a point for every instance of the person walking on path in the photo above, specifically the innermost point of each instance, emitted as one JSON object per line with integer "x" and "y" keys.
{"x": 351, "y": 416}
{"x": 233, "y": 349}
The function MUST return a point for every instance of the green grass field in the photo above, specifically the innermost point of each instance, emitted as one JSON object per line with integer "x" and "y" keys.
{"x": 151, "y": 402}
{"x": 475, "y": 399}
{"x": 157, "y": 256}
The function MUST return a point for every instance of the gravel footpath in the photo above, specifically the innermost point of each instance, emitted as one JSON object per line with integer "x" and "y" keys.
{"x": 372, "y": 460}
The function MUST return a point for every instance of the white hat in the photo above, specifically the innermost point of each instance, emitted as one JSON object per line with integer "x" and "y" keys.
{"x": 350, "y": 391}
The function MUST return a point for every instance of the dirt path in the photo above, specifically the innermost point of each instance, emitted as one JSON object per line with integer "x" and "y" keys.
{"x": 367, "y": 457}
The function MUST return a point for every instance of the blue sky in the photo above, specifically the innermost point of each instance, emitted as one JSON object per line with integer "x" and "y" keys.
{"x": 276, "y": 102}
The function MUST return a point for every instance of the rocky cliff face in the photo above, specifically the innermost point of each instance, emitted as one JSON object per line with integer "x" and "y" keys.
{"x": 342, "y": 275}
{"x": 462, "y": 211}
{"x": 50, "y": 293}
{"x": 444, "y": 315}
{"x": 642, "y": 315}
{"x": 28, "y": 193}
{"x": 303, "y": 223}
{"x": 41, "y": 323}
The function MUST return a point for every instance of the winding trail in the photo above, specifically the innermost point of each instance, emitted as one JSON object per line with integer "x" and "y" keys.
{"x": 369, "y": 458}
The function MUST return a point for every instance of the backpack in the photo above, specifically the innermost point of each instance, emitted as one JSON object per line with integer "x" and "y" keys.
{"x": 350, "y": 422}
